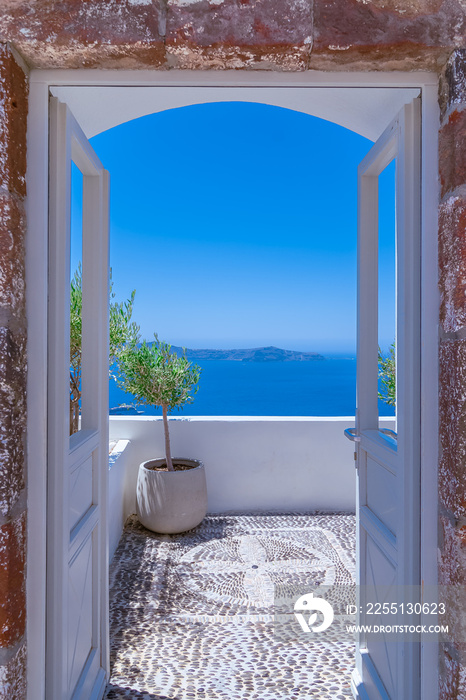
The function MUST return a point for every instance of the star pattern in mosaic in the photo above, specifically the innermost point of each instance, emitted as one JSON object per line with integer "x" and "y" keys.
{"x": 247, "y": 569}
{"x": 194, "y": 615}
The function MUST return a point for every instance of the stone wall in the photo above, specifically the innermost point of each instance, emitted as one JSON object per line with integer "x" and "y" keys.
{"x": 13, "y": 114}
{"x": 377, "y": 35}
{"x": 222, "y": 34}
{"x": 452, "y": 467}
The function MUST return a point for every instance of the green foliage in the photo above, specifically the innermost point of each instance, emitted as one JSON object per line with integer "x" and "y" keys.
{"x": 387, "y": 376}
{"x": 151, "y": 373}
{"x": 123, "y": 332}
{"x": 157, "y": 377}
{"x": 76, "y": 306}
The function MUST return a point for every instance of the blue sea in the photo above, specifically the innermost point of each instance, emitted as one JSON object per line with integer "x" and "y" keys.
{"x": 231, "y": 388}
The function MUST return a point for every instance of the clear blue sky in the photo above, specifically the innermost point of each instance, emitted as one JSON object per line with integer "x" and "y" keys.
{"x": 236, "y": 225}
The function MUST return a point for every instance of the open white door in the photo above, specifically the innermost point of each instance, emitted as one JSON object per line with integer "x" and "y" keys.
{"x": 388, "y": 510}
{"x": 77, "y": 660}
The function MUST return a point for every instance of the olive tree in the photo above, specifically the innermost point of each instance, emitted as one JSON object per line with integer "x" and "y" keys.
{"x": 155, "y": 376}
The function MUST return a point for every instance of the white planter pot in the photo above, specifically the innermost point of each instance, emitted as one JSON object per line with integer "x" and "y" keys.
{"x": 171, "y": 502}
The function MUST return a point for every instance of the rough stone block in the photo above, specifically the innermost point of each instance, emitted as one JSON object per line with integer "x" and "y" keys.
{"x": 183, "y": 56}
{"x": 12, "y": 254}
{"x": 452, "y": 581}
{"x": 377, "y": 34}
{"x": 452, "y": 558}
{"x": 452, "y": 676}
{"x": 452, "y": 153}
{"x": 239, "y": 33}
{"x": 13, "y": 117}
{"x": 12, "y": 416}
{"x": 94, "y": 33}
{"x": 452, "y": 426}
{"x": 452, "y": 87}
{"x": 452, "y": 263}
{"x": 12, "y": 581}
{"x": 13, "y": 677}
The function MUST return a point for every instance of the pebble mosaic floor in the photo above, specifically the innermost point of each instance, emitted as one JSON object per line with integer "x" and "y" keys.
{"x": 207, "y": 614}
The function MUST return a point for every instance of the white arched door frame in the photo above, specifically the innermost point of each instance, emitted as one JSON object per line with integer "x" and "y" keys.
{"x": 41, "y": 82}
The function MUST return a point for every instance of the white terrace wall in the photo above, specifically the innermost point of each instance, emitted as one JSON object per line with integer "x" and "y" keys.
{"x": 253, "y": 464}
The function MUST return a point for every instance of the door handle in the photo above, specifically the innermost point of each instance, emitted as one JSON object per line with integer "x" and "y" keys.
{"x": 351, "y": 434}
{"x": 390, "y": 433}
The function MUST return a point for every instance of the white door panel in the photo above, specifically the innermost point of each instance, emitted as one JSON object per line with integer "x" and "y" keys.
{"x": 381, "y": 493}
{"x": 77, "y": 626}
{"x": 388, "y": 521}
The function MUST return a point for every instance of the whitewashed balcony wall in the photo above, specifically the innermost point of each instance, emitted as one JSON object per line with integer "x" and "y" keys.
{"x": 253, "y": 464}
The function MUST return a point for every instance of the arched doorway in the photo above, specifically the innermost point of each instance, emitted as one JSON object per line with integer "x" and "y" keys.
{"x": 385, "y": 115}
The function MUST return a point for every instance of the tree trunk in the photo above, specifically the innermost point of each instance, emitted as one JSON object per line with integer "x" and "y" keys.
{"x": 74, "y": 416}
{"x": 75, "y": 395}
{"x": 167, "y": 440}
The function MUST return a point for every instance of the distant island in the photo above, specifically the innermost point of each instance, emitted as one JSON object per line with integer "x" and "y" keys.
{"x": 268, "y": 354}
